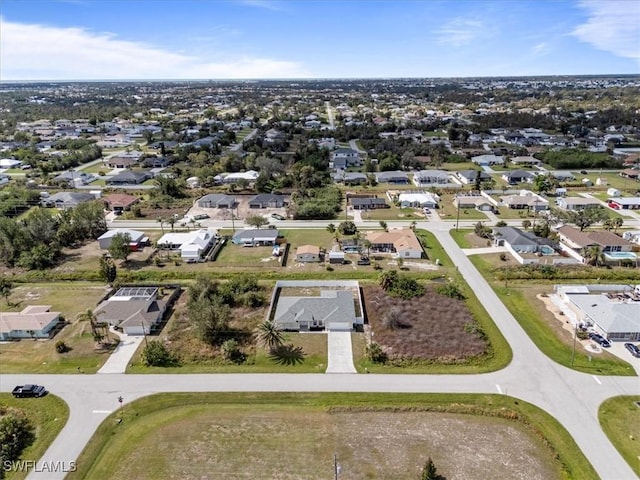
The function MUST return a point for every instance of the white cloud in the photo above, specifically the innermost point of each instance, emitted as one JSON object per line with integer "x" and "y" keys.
{"x": 38, "y": 52}
{"x": 612, "y": 26}
{"x": 541, "y": 49}
{"x": 460, "y": 31}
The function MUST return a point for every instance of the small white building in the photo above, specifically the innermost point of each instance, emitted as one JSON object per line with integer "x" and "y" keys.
{"x": 193, "y": 246}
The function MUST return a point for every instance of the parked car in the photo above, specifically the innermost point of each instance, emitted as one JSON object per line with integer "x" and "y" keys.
{"x": 364, "y": 260}
{"x": 277, "y": 216}
{"x": 599, "y": 339}
{"x": 201, "y": 216}
{"x": 25, "y": 391}
{"x": 633, "y": 349}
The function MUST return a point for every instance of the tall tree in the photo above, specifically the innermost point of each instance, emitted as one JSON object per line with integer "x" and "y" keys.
{"x": 119, "y": 248}
{"x": 5, "y": 289}
{"x": 257, "y": 221}
{"x": 108, "y": 271}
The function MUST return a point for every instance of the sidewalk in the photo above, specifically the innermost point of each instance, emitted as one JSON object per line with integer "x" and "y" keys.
{"x": 121, "y": 356}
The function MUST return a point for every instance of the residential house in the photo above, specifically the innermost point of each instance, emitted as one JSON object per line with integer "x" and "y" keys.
{"x": 268, "y": 200}
{"x": 121, "y": 161}
{"x": 632, "y": 235}
{"x": 217, "y": 200}
{"x": 522, "y": 241}
{"x": 468, "y": 177}
{"x": 394, "y": 177}
{"x": 368, "y": 203}
{"x": 350, "y": 178}
{"x": 74, "y": 179}
{"x": 308, "y": 253}
{"x": 514, "y": 177}
{"x": 137, "y": 240}
{"x": 488, "y": 160}
{"x": 256, "y": 238}
{"x": 129, "y": 177}
{"x": 630, "y": 173}
{"x": 248, "y": 176}
{"x": 331, "y": 309}
{"x": 9, "y": 163}
{"x": 120, "y": 202}
{"x": 425, "y": 178}
{"x": 525, "y": 200}
{"x": 136, "y": 310}
{"x": 563, "y": 176}
{"x": 473, "y": 201}
{"x": 624, "y": 203}
{"x": 613, "y": 247}
{"x": 4, "y": 179}
{"x": 526, "y": 161}
{"x": 345, "y": 157}
{"x": 193, "y": 246}
{"x": 402, "y": 242}
{"x": 34, "y": 321}
{"x": 611, "y": 310}
{"x": 577, "y": 203}
{"x": 66, "y": 200}
{"x": 418, "y": 200}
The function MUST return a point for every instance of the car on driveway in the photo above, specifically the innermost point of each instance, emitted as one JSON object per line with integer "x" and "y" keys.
{"x": 599, "y": 339}
{"x": 26, "y": 391}
{"x": 633, "y": 349}
{"x": 277, "y": 216}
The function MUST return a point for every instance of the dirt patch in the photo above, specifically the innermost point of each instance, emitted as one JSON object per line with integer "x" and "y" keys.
{"x": 286, "y": 443}
{"x": 433, "y": 327}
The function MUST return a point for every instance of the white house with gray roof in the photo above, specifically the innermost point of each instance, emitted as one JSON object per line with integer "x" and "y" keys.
{"x": 256, "y": 238}
{"x": 333, "y": 308}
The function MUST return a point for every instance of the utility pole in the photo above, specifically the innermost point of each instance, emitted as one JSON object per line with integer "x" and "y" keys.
{"x": 457, "y": 212}
{"x": 145, "y": 334}
{"x": 336, "y": 467}
{"x": 573, "y": 352}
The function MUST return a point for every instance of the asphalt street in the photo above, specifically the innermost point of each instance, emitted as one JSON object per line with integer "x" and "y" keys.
{"x": 572, "y": 398}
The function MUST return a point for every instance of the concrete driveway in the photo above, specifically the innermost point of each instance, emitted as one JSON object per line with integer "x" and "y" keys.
{"x": 340, "y": 353}
{"x": 121, "y": 356}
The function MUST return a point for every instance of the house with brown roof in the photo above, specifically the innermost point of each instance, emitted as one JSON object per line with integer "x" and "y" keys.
{"x": 308, "y": 253}
{"x": 401, "y": 242}
{"x": 614, "y": 248}
{"x": 120, "y": 202}
{"x": 34, "y": 321}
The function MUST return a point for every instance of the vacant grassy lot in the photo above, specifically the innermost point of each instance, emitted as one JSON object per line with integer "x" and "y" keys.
{"x": 448, "y": 211}
{"x": 433, "y": 328}
{"x": 543, "y": 329}
{"x": 40, "y": 356}
{"x": 47, "y": 414}
{"x": 393, "y": 213}
{"x": 294, "y": 436}
{"x": 620, "y": 420}
{"x": 466, "y": 238}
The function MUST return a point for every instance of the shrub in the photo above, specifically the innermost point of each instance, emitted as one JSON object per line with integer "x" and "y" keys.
{"x": 231, "y": 351}
{"x": 62, "y": 347}
{"x": 375, "y": 353}
{"x": 16, "y": 434}
{"x": 450, "y": 290}
{"x": 391, "y": 319}
{"x": 156, "y": 354}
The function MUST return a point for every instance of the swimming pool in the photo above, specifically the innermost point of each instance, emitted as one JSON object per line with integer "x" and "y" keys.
{"x": 546, "y": 250}
{"x": 621, "y": 256}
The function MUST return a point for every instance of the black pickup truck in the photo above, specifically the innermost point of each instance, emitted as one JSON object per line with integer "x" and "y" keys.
{"x": 22, "y": 391}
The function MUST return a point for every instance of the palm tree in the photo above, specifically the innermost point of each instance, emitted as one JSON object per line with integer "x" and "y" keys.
{"x": 617, "y": 223}
{"x": 97, "y": 328}
{"x": 270, "y": 335}
{"x": 161, "y": 220}
{"x": 593, "y": 255}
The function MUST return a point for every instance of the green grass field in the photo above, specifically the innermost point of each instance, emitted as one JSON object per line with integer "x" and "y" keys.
{"x": 296, "y": 435}
{"x": 620, "y": 420}
{"x": 48, "y": 415}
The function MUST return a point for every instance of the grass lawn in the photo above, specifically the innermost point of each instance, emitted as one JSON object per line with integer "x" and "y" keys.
{"x": 47, "y": 414}
{"x": 433, "y": 249}
{"x": 393, "y": 213}
{"x": 258, "y": 361}
{"x": 543, "y": 329}
{"x": 287, "y": 436}
{"x": 613, "y": 179}
{"x": 466, "y": 238}
{"x": 242, "y": 134}
{"x": 620, "y": 420}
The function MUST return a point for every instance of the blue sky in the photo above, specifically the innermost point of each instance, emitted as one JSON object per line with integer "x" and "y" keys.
{"x": 219, "y": 39}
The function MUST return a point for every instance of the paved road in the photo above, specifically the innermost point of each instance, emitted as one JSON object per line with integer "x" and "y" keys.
{"x": 572, "y": 398}
{"x": 332, "y": 125}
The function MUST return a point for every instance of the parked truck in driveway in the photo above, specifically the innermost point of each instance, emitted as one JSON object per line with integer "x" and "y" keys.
{"x": 24, "y": 391}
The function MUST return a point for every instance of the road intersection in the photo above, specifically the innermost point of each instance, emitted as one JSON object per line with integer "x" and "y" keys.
{"x": 571, "y": 397}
